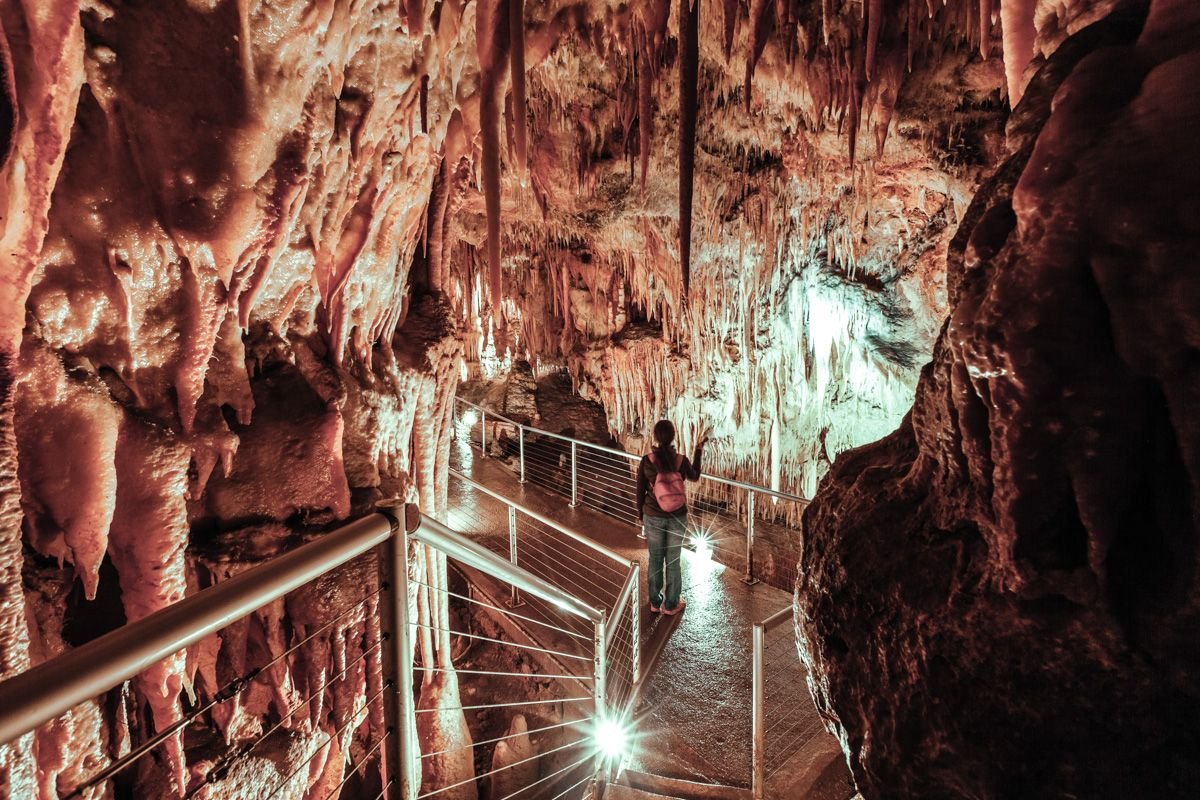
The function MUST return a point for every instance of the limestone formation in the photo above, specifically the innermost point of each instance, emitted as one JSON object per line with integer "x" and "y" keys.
{"x": 1000, "y": 599}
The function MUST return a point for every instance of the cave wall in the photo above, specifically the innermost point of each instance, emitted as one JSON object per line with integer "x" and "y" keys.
{"x": 211, "y": 347}
{"x": 1000, "y": 599}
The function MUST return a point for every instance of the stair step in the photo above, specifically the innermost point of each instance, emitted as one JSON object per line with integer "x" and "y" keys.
{"x": 616, "y": 791}
{"x": 680, "y": 789}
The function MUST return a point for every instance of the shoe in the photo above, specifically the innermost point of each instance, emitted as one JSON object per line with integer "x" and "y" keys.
{"x": 670, "y": 612}
{"x": 655, "y": 609}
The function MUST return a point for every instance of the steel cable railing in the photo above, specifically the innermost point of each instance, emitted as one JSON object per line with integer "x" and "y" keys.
{"x": 306, "y": 711}
{"x": 341, "y": 709}
{"x": 562, "y": 558}
{"x": 783, "y": 717}
{"x": 728, "y": 516}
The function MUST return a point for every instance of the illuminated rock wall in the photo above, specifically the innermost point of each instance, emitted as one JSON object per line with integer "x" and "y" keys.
{"x": 209, "y": 333}
{"x": 824, "y": 195}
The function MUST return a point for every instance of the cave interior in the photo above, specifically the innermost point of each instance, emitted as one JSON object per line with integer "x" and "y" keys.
{"x": 913, "y": 274}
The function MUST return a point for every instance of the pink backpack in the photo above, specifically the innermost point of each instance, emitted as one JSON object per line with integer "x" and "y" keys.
{"x": 668, "y": 487}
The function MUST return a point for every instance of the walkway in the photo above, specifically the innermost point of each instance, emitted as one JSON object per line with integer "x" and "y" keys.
{"x": 699, "y": 693}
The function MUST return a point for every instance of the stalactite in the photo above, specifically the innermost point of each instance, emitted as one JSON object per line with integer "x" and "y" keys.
{"x": 650, "y": 32}
{"x": 730, "y": 8}
{"x": 41, "y": 61}
{"x": 689, "y": 106}
{"x": 1016, "y": 22}
{"x": 762, "y": 19}
{"x": 911, "y": 32}
{"x": 415, "y": 10}
{"x": 492, "y": 43}
{"x": 516, "y": 27}
{"x": 874, "y": 24}
{"x": 985, "y": 26}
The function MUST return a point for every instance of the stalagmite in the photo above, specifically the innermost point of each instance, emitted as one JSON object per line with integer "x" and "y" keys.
{"x": 514, "y": 760}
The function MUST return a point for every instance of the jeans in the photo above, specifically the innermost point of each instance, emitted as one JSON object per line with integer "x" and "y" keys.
{"x": 664, "y": 537}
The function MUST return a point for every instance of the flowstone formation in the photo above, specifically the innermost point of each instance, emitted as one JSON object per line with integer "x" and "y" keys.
{"x": 1001, "y": 598}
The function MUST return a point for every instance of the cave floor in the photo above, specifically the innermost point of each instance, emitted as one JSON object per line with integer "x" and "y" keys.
{"x": 696, "y": 723}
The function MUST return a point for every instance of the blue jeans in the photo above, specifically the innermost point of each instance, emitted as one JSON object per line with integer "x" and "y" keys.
{"x": 664, "y": 537}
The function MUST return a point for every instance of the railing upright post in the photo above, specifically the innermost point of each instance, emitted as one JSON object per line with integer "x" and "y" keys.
{"x": 512, "y": 552}
{"x": 482, "y": 432}
{"x": 635, "y": 629}
{"x": 574, "y": 474}
{"x": 756, "y": 747}
{"x": 397, "y": 663}
{"x": 599, "y": 656}
{"x": 749, "y": 577}
{"x": 521, "y": 440}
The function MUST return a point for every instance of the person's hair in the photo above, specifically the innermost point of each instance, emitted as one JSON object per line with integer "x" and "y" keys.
{"x": 664, "y": 439}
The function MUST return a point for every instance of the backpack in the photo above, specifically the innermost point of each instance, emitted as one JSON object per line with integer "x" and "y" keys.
{"x": 668, "y": 487}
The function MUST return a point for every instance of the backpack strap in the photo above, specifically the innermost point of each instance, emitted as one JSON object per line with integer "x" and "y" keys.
{"x": 678, "y": 462}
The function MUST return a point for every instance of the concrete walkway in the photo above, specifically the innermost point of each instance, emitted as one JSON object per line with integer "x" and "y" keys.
{"x": 697, "y": 699}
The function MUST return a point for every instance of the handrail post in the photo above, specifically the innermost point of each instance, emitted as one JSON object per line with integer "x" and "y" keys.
{"x": 397, "y": 663}
{"x": 635, "y": 629}
{"x": 482, "y": 433}
{"x": 749, "y": 577}
{"x": 512, "y": 552}
{"x": 599, "y": 655}
{"x": 574, "y": 474}
{"x": 521, "y": 440}
{"x": 757, "y": 698}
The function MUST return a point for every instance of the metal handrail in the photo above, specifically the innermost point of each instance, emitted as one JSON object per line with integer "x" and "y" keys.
{"x": 619, "y": 607}
{"x": 458, "y": 547}
{"x": 50, "y": 689}
{"x": 594, "y": 545}
{"x": 717, "y": 478}
{"x": 628, "y": 589}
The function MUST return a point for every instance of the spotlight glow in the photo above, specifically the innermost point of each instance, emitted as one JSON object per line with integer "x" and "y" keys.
{"x": 612, "y": 738}
{"x": 470, "y": 418}
{"x": 702, "y": 545}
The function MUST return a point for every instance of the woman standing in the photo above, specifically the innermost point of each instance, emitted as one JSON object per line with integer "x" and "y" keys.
{"x": 662, "y": 501}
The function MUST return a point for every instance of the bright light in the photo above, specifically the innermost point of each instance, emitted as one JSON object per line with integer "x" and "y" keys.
{"x": 611, "y": 738}
{"x": 470, "y": 417}
{"x": 702, "y": 545}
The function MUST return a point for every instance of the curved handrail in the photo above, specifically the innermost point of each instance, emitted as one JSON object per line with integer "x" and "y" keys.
{"x": 52, "y": 688}
{"x": 613, "y": 451}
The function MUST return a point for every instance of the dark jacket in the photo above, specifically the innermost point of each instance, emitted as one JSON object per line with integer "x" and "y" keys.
{"x": 646, "y": 502}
